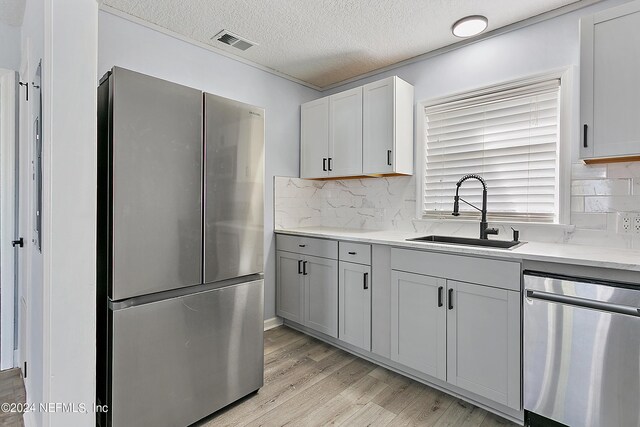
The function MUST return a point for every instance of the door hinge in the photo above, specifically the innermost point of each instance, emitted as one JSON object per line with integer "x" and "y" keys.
{"x": 19, "y": 242}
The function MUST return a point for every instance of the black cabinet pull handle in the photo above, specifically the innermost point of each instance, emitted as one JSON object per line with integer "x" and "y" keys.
{"x": 330, "y": 158}
{"x": 351, "y": 253}
{"x": 440, "y": 289}
{"x": 19, "y": 242}
{"x": 366, "y": 280}
{"x": 389, "y": 157}
{"x": 299, "y": 266}
{"x": 304, "y": 268}
{"x": 585, "y": 128}
{"x": 450, "y": 299}
{"x": 302, "y": 246}
{"x": 324, "y": 164}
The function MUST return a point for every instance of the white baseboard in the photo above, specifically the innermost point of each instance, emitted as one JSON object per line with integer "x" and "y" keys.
{"x": 274, "y": 322}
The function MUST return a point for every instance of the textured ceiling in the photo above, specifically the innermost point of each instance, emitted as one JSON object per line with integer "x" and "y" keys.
{"x": 323, "y": 42}
{"x": 12, "y": 12}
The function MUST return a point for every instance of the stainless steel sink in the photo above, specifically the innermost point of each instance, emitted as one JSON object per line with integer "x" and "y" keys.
{"x": 450, "y": 240}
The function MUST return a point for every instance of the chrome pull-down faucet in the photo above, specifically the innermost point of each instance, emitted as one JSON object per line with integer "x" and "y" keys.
{"x": 484, "y": 230}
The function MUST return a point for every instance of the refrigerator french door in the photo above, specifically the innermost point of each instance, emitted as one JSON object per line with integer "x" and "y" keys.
{"x": 180, "y": 290}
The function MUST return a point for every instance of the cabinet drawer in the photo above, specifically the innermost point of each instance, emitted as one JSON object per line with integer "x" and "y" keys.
{"x": 307, "y": 246}
{"x": 359, "y": 253}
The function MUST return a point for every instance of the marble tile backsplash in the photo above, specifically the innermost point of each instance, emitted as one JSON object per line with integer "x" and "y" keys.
{"x": 368, "y": 203}
{"x": 598, "y": 193}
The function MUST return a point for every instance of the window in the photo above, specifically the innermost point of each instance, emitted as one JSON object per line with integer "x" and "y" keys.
{"x": 509, "y": 136}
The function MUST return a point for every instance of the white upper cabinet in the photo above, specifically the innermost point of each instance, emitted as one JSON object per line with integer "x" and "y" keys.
{"x": 387, "y": 127}
{"x": 314, "y": 132}
{"x": 610, "y": 88}
{"x": 367, "y": 130}
{"x": 345, "y": 130}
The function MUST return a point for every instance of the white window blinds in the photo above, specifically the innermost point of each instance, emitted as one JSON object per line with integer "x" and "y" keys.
{"x": 510, "y": 138}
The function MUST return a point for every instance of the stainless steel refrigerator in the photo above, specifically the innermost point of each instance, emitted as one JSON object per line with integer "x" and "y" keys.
{"x": 180, "y": 251}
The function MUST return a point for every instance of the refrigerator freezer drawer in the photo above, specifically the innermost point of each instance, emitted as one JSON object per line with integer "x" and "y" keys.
{"x": 178, "y": 360}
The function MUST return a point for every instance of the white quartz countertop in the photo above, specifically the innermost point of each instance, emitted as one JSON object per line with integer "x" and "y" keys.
{"x": 593, "y": 256}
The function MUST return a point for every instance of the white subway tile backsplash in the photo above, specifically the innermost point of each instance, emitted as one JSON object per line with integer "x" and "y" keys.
{"x": 577, "y": 204}
{"x": 612, "y": 204}
{"x": 601, "y": 187}
{"x": 623, "y": 170}
{"x": 591, "y": 221}
{"x": 582, "y": 171}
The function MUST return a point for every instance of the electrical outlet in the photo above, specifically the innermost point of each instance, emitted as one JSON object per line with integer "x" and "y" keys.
{"x": 635, "y": 224}
{"x": 628, "y": 223}
{"x": 624, "y": 225}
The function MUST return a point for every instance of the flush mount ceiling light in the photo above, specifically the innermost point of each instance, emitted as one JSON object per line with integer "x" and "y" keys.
{"x": 469, "y": 26}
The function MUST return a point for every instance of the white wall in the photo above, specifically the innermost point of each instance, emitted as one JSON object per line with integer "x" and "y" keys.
{"x": 597, "y": 192}
{"x": 130, "y": 45}
{"x": 69, "y": 224}
{"x": 58, "y": 292}
{"x": 9, "y": 47}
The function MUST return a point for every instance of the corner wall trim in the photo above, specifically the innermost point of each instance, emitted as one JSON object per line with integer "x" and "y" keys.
{"x": 274, "y": 322}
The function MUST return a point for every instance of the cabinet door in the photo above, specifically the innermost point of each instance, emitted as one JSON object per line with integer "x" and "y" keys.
{"x": 354, "y": 296}
{"x": 610, "y": 89}
{"x": 418, "y": 322}
{"x": 378, "y": 127}
{"x": 483, "y": 341}
{"x": 321, "y": 295}
{"x": 289, "y": 288}
{"x": 345, "y": 140}
{"x": 314, "y": 139}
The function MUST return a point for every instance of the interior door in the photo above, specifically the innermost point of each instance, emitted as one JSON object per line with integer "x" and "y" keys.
{"x": 234, "y": 189}
{"x": 9, "y": 183}
{"x": 156, "y": 145}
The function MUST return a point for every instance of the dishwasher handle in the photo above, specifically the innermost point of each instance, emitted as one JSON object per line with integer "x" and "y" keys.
{"x": 584, "y": 302}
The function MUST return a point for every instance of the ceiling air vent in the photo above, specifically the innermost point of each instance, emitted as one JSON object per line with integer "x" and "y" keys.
{"x": 234, "y": 40}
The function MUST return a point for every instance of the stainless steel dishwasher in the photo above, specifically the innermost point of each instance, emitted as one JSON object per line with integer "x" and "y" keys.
{"x": 581, "y": 350}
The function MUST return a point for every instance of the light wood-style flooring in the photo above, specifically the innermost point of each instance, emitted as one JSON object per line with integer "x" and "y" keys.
{"x": 310, "y": 383}
{"x": 11, "y": 391}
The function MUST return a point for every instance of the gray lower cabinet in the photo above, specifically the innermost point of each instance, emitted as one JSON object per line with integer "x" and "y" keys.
{"x": 354, "y": 301}
{"x": 418, "y": 323}
{"x": 321, "y": 294}
{"x": 483, "y": 341}
{"x": 290, "y": 286}
{"x": 307, "y": 291}
{"x": 457, "y": 318}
